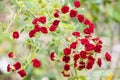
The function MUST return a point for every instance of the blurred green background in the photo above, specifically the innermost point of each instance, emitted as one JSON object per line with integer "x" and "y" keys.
{"x": 18, "y": 15}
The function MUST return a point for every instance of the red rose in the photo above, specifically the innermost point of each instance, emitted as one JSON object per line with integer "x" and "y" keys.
{"x": 99, "y": 62}
{"x": 8, "y": 68}
{"x": 56, "y": 14}
{"x": 67, "y": 51}
{"x": 65, "y": 74}
{"x": 89, "y": 64}
{"x": 22, "y": 73}
{"x": 15, "y": 34}
{"x": 52, "y": 56}
{"x": 84, "y": 41}
{"x": 52, "y": 28}
{"x": 73, "y": 45}
{"x": 37, "y": 28}
{"x": 108, "y": 56}
{"x": 80, "y": 18}
{"x": 36, "y": 63}
{"x": 91, "y": 58}
{"x": 77, "y": 4}
{"x": 66, "y": 59}
{"x": 56, "y": 22}
{"x": 17, "y": 65}
{"x": 97, "y": 40}
{"x": 65, "y": 9}
{"x": 76, "y": 57}
{"x": 83, "y": 54}
{"x": 81, "y": 65}
{"x": 73, "y": 13}
{"x": 42, "y": 19}
{"x": 76, "y": 34}
{"x": 66, "y": 67}
{"x": 89, "y": 30}
{"x": 11, "y": 55}
{"x": 87, "y": 22}
{"x": 35, "y": 21}
{"x": 44, "y": 30}
{"x": 32, "y": 33}
{"x": 97, "y": 48}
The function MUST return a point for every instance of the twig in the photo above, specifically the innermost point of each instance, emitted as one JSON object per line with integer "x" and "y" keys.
{"x": 9, "y": 25}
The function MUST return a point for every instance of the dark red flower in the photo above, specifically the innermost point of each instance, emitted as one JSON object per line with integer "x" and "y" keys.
{"x": 44, "y": 30}
{"x": 89, "y": 64}
{"x": 65, "y": 9}
{"x": 89, "y": 30}
{"x": 22, "y": 73}
{"x": 97, "y": 48}
{"x": 17, "y": 65}
{"x": 91, "y": 25}
{"x": 8, "y": 68}
{"x": 108, "y": 56}
{"x": 66, "y": 67}
{"x": 76, "y": 34}
{"x": 67, "y": 51}
{"x": 36, "y": 63}
{"x": 66, "y": 59}
{"x": 65, "y": 74}
{"x": 84, "y": 41}
{"x": 52, "y": 28}
{"x": 56, "y": 14}
{"x": 73, "y": 13}
{"x": 37, "y": 28}
{"x": 11, "y": 55}
{"x": 99, "y": 62}
{"x": 91, "y": 58}
{"x": 76, "y": 57}
{"x": 80, "y": 18}
{"x": 56, "y": 22}
{"x": 97, "y": 40}
{"x": 35, "y": 21}
{"x": 81, "y": 65}
{"x": 15, "y": 35}
{"x": 77, "y": 4}
{"x": 87, "y": 22}
{"x": 83, "y": 54}
{"x": 75, "y": 64}
{"x": 52, "y": 56}
{"x": 73, "y": 45}
{"x": 32, "y": 33}
{"x": 42, "y": 19}
{"x": 89, "y": 47}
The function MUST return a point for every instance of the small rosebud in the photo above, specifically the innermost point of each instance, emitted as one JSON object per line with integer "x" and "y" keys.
{"x": 22, "y": 73}
{"x": 11, "y": 55}
{"x": 36, "y": 63}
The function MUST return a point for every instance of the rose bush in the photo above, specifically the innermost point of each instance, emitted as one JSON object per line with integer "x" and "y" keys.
{"x": 79, "y": 50}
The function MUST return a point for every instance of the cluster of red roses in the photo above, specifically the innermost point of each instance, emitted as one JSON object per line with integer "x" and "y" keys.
{"x": 17, "y": 67}
{"x": 72, "y": 57}
{"x": 90, "y": 46}
{"x": 44, "y": 30}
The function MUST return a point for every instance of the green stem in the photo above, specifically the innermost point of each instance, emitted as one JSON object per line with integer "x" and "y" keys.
{"x": 9, "y": 25}
{"x": 28, "y": 57}
{"x": 76, "y": 74}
